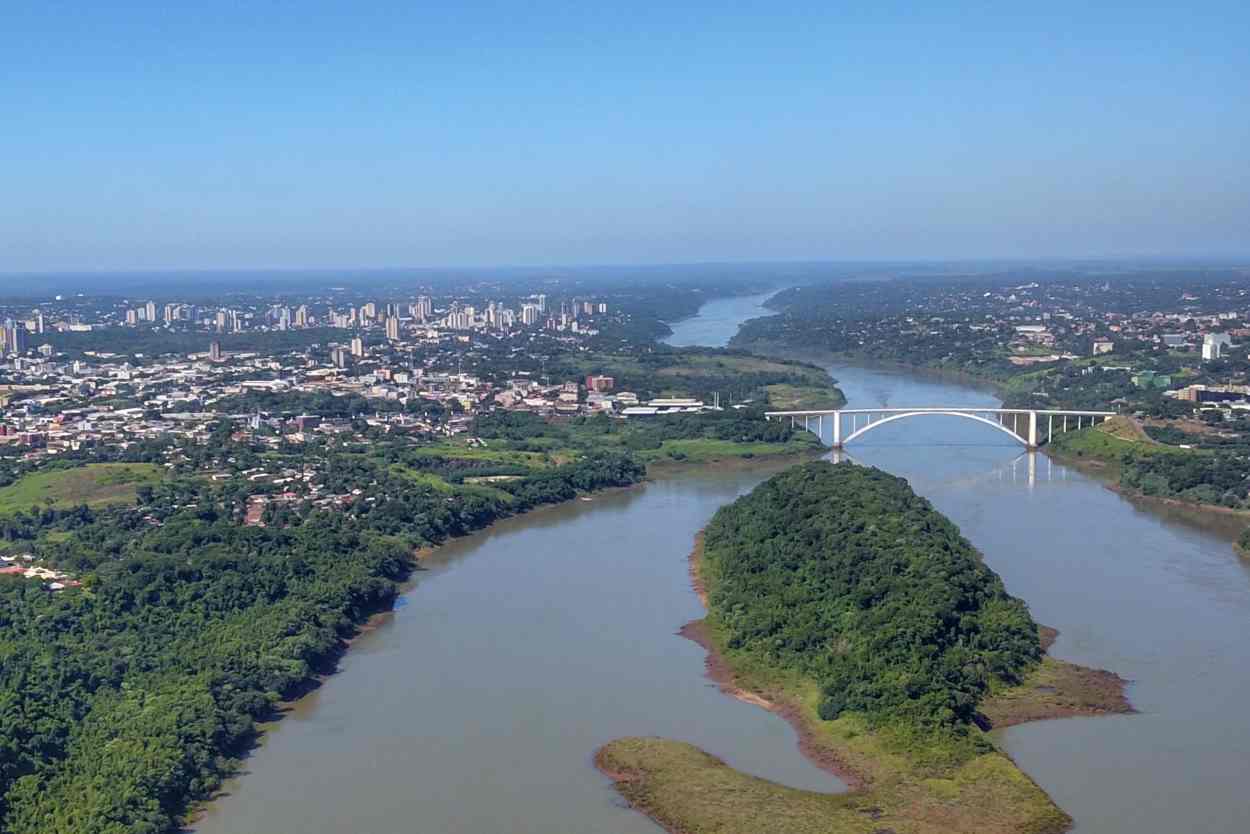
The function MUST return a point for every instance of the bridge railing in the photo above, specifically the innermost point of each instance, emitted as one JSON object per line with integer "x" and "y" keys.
{"x": 1031, "y": 435}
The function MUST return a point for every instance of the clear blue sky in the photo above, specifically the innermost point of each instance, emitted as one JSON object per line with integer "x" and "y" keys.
{"x": 156, "y": 135}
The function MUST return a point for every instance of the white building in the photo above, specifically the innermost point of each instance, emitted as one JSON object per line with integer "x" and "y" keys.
{"x": 1215, "y": 345}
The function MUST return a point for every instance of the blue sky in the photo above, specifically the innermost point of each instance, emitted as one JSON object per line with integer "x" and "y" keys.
{"x": 156, "y": 135}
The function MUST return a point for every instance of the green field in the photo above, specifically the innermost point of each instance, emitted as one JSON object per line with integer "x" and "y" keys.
{"x": 95, "y": 485}
{"x": 705, "y": 450}
{"x": 783, "y": 397}
{"x": 1109, "y": 441}
{"x": 495, "y": 453}
{"x": 901, "y": 785}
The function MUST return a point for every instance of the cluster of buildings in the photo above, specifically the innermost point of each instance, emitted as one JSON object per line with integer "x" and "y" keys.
{"x": 53, "y": 401}
{"x": 23, "y": 564}
{"x": 393, "y": 318}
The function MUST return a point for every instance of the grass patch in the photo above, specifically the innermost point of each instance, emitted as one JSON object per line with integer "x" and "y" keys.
{"x": 96, "y": 485}
{"x": 705, "y": 450}
{"x": 472, "y": 486}
{"x": 784, "y": 397}
{"x": 904, "y": 784}
{"x": 719, "y": 364}
{"x": 1057, "y": 689}
{"x": 488, "y": 454}
{"x": 1110, "y": 442}
{"x": 423, "y": 478}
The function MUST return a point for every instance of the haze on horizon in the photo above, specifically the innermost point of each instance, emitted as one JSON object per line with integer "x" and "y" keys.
{"x": 141, "y": 135}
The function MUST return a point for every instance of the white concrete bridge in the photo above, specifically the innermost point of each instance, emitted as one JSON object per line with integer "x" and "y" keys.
{"x": 1032, "y": 427}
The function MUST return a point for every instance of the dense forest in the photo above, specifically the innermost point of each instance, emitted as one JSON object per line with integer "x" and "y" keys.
{"x": 127, "y": 698}
{"x": 842, "y": 573}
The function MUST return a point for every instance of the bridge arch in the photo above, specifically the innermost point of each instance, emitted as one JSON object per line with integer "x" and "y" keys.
{"x": 931, "y": 412}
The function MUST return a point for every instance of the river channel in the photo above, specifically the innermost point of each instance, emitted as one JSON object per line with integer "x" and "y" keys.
{"x": 475, "y": 707}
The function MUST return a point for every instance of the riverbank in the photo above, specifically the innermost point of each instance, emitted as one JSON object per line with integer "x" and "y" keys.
{"x": 780, "y": 350}
{"x": 891, "y": 781}
{"x": 1101, "y": 464}
{"x": 1100, "y": 453}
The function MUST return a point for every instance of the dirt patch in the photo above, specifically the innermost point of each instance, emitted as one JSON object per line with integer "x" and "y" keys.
{"x": 1057, "y": 689}
{"x": 1125, "y": 427}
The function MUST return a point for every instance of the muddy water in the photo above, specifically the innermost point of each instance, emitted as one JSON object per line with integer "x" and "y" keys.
{"x": 475, "y": 707}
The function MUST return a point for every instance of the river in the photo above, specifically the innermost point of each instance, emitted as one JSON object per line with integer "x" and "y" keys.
{"x": 476, "y": 705}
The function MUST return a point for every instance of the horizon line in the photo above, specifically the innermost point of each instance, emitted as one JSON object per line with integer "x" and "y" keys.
{"x": 1227, "y": 259}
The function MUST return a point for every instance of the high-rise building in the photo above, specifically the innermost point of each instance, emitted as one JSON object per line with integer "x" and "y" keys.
{"x": 149, "y": 311}
{"x": 392, "y": 328}
{"x": 14, "y": 337}
{"x": 423, "y": 309}
{"x": 529, "y": 314}
{"x": 339, "y": 357}
{"x": 369, "y": 311}
{"x": 358, "y": 346}
{"x": 214, "y": 351}
{"x": 1214, "y": 345}
{"x": 542, "y": 303}
{"x": 221, "y": 321}
{"x": 301, "y": 316}
{"x": 132, "y": 317}
{"x": 39, "y": 323}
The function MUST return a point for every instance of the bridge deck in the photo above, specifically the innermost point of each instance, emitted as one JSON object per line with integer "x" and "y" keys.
{"x": 938, "y": 409}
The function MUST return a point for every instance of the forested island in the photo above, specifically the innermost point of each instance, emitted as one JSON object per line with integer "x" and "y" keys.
{"x": 839, "y": 598}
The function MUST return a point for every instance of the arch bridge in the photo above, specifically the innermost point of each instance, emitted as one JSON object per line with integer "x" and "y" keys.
{"x": 1029, "y": 426}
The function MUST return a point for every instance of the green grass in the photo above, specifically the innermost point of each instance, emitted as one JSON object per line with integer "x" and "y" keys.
{"x": 485, "y": 490}
{"x": 491, "y": 454}
{"x": 718, "y": 365}
{"x": 704, "y": 450}
{"x": 1109, "y": 441}
{"x": 785, "y": 397}
{"x": 424, "y": 478}
{"x": 906, "y": 785}
{"x": 96, "y": 485}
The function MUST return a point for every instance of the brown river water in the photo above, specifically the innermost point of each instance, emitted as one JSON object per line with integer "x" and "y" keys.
{"x": 476, "y": 706}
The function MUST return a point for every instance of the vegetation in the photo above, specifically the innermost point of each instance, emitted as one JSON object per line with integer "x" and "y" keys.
{"x": 1147, "y": 467}
{"x": 663, "y": 438}
{"x": 843, "y": 574}
{"x": 94, "y": 485}
{"x": 737, "y": 377}
{"x": 848, "y": 604}
{"x": 131, "y": 696}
